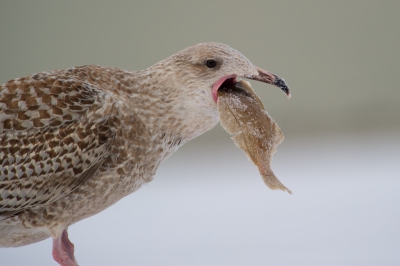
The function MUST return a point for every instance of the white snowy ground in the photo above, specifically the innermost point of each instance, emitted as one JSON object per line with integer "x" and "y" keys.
{"x": 209, "y": 206}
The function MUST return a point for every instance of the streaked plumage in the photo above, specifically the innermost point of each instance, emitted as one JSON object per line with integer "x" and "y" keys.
{"x": 75, "y": 141}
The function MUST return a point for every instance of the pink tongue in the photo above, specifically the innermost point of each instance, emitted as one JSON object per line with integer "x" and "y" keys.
{"x": 217, "y": 85}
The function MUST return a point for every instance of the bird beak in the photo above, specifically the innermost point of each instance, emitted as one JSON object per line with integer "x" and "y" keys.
{"x": 268, "y": 77}
{"x": 263, "y": 76}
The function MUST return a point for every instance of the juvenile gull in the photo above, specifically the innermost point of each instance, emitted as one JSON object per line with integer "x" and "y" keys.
{"x": 75, "y": 141}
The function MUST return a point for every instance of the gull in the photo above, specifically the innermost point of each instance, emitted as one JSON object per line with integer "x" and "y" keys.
{"x": 76, "y": 141}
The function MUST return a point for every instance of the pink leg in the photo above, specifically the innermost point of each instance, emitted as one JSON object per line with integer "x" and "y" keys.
{"x": 63, "y": 250}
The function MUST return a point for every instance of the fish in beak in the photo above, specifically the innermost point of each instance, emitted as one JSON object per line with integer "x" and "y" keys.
{"x": 243, "y": 116}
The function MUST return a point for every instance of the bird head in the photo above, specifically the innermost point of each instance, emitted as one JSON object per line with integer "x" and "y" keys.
{"x": 195, "y": 74}
{"x": 215, "y": 65}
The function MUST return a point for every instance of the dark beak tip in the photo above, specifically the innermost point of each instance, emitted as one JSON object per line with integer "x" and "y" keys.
{"x": 268, "y": 77}
{"x": 280, "y": 83}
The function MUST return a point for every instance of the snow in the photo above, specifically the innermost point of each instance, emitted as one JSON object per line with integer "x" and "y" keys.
{"x": 209, "y": 206}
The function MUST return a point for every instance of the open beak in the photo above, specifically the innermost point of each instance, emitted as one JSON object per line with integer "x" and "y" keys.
{"x": 263, "y": 76}
{"x": 268, "y": 77}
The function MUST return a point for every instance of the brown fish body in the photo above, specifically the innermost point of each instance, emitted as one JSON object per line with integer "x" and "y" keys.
{"x": 254, "y": 131}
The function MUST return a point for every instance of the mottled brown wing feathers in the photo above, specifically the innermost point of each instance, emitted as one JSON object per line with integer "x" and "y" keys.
{"x": 43, "y": 101}
{"x": 49, "y": 140}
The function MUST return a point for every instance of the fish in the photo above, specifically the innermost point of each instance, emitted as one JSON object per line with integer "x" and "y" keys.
{"x": 253, "y": 130}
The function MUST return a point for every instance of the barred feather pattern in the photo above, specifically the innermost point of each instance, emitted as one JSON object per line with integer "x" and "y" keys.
{"x": 58, "y": 129}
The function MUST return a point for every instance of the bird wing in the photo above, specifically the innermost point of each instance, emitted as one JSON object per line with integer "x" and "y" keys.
{"x": 50, "y": 139}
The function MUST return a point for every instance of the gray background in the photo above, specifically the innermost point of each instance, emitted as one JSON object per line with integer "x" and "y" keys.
{"x": 207, "y": 204}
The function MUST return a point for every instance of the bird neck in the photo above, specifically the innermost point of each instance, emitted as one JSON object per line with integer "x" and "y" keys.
{"x": 169, "y": 108}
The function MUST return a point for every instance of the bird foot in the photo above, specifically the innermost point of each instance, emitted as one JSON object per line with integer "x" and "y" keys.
{"x": 63, "y": 250}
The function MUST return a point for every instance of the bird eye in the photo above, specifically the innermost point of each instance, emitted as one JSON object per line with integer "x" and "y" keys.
{"x": 211, "y": 63}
